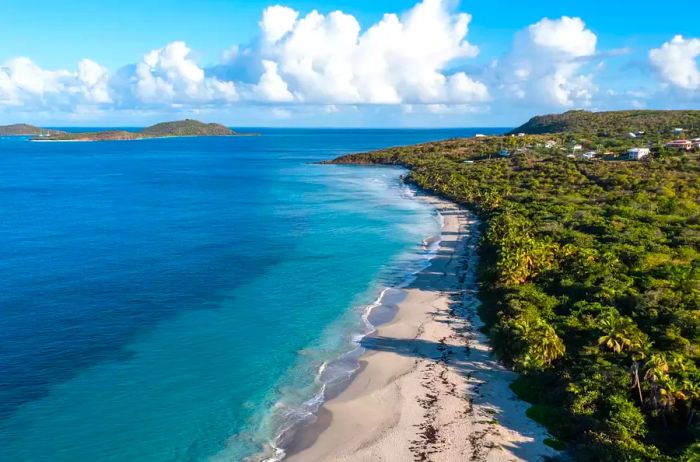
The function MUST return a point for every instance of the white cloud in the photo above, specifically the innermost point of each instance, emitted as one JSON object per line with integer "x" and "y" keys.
{"x": 271, "y": 86}
{"x": 24, "y": 83}
{"x": 276, "y": 22}
{"x": 676, "y": 62}
{"x": 170, "y": 75}
{"x": 546, "y": 62}
{"x": 95, "y": 80}
{"x": 328, "y": 59}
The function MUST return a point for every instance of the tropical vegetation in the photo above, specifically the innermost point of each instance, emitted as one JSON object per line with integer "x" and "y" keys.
{"x": 590, "y": 280}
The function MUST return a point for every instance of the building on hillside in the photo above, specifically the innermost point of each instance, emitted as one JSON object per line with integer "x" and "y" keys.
{"x": 590, "y": 155}
{"x": 549, "y": 144}
{"x": 578, "y": 147}
{"x": 686, "y": 145}
{"x": 637, "y": 153}
{"x": 521, "y": 134}
{"x": 504, "y": 153}
{"x": 677, "y": 130}
{"x": 479, "y": 135}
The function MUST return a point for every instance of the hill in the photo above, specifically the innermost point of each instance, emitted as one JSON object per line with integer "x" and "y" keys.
{"x": 26, "y": 130}
{"x": 613, "y": 123}
{"x": 187, "y": 127}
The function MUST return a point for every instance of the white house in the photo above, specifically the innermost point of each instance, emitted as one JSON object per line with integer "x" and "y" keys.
{"x": 549, "y": 144}
{"x": 590, "y": 155}
{"x": 578, "y": 147}
{"x": 479, "y": 135}
{"x": 637, "y": 153}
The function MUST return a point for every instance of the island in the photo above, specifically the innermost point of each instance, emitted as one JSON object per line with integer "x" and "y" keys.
{"x": 180, "y": 128}
{"x": 588, "y": 273}
{"x": 27, "y": 130}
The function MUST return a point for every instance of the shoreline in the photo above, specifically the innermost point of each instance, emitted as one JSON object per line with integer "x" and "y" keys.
{"x": 427, "y": 388}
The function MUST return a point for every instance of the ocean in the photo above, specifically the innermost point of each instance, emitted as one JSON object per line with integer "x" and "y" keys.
{"x": 190, "y": 299}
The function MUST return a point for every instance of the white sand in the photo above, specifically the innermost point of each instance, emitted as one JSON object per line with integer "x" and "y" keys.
{"x": 428, "y": 389}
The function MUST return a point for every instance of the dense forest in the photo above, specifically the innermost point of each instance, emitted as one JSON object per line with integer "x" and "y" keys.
{"x": 590, "y": 273}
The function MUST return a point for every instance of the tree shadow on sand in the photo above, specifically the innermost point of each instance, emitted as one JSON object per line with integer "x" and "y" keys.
{"x": 488, "y": 381}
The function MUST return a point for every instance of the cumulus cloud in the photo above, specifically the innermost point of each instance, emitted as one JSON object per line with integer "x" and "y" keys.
{"x": 313, "y": 59}
{"x": 676, "y": 62}
{"x": 546, "y": 64}
{"x": 25, "y": 83}
{"x": 328, "y": 59}
{"x": 95, "y": 81}
{"x": 170, "y": 75}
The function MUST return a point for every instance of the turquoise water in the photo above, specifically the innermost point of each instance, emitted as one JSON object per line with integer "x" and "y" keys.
{"x": 174, "y": 300}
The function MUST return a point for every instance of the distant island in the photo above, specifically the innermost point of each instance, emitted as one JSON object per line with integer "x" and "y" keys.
{"x": 187, "y": 127}
{"x": 27, "y": 130}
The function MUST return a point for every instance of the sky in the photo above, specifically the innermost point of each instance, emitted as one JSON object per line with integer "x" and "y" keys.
{"x": 389, "y": 63}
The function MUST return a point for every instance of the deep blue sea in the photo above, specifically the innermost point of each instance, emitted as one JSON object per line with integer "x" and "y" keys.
{"x": 175, "y": 299}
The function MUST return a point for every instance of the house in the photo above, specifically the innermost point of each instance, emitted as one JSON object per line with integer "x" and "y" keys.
{"x": 479, "y": 135}
{"x": 504, "y": 153}
{"x": 637, "y": 153}
{"x": 549, "y": 144}
{"x": 578, "y": 147}
{"x": 677, "y": 130}
{"x": 686, "y": 145}
{"x": 590, "y": 155}
{"x": 521, "y": 134}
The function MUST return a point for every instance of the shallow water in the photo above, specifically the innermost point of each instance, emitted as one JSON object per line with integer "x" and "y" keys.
{"x": 174, "y": 299}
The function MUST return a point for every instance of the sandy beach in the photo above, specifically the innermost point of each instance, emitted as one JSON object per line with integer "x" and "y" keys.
{"x": 428, "y": 389}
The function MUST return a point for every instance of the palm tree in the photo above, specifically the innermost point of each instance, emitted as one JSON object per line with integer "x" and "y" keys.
{"x": 549, "y": 346}
{"x": 656, "y": 368}
{"x": 617, "y": 336}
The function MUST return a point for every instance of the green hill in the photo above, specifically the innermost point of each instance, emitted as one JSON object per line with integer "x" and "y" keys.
{"x": 613, "y": 123}
{"x": 187, "y": 127}
{"x": 26, "y": 130}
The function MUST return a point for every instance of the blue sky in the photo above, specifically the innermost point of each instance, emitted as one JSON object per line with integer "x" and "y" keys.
{"x": 508, "y": 63}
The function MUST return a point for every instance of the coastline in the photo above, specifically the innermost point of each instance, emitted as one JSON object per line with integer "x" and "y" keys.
{"x": 427, "y": 387}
